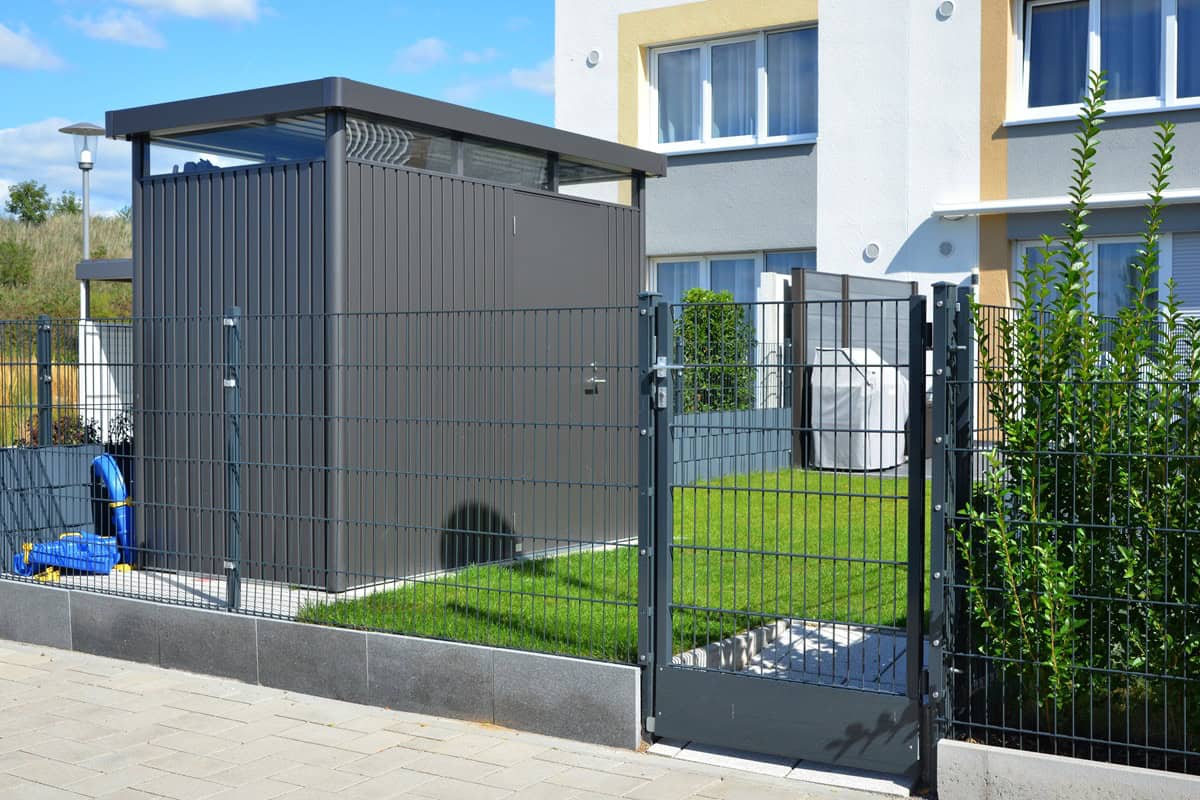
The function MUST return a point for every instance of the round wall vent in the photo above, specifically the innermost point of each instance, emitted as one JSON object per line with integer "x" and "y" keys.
{"x": 945, "y": 9}
{"x": 593, "y": 58}
{"x": 946, "y": 248}
{"x": 871, "y": 251}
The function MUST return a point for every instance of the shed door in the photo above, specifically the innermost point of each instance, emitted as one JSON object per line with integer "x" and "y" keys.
{"x": 563, "y": 254}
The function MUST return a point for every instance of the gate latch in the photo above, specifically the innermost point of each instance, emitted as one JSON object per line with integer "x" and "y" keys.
{"x": 662, "y": 367}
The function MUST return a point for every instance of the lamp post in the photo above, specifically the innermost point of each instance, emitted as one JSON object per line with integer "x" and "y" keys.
{"x": 85, "y": 135}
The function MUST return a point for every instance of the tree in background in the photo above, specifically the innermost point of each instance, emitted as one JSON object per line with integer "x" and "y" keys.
{"x": 67, "y": 203}
{"x": 16, "y": 264}
{"x": 29, "y": 202}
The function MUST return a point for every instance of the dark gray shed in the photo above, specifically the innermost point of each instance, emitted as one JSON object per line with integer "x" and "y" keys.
{"x": 372, "y": 239}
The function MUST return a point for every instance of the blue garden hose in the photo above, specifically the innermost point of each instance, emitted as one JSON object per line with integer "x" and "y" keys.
{"x": 106, "y": 469}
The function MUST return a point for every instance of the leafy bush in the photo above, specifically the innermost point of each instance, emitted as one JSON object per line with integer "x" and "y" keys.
{"x": 67, "y": 203}
{"x": 67, "y": 429}
{"x": 1078, "y": 568}
{"x": 16, "y": 264}
{"x": 718, "y": 342}
{"x": 28, "y": 201}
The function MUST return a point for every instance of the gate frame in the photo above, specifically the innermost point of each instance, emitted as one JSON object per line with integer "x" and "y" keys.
{"x": 875, "y": 716}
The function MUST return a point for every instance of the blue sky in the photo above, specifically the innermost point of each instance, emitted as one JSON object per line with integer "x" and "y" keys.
{"x": 71, "y": 60}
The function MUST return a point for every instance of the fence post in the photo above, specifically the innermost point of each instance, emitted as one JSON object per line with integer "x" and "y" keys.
{"x": 45, "y": 384}
{"x": 231, "y": 325}
{"x": 950, "y": 479}
{"x": 646, "y": 441}
{"x": 915, "y": 625}
{"x": 663, "y": 502}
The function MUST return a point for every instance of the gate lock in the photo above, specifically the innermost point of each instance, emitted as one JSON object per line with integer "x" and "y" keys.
{"x": 661, "y": 369}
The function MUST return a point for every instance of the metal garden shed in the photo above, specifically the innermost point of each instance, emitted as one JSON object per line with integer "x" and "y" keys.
{"x": 373, "y": 241}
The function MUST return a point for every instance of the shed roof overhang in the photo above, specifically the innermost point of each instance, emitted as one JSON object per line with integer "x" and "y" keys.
{"x": 105, "y": 269}
{"x": 324, "y": 94}
{"x": 1036, "y": 205}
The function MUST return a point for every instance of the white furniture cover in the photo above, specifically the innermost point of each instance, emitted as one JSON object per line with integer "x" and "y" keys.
{"x": 859, "y": 410}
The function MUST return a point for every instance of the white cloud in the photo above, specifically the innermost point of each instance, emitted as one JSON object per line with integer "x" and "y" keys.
{"x": 119, "y": 26}
{"x": 40, "y": 152}
{"x": 480, "y": 56}
{"x": 238, "y": 10}
{"x": 18, "y": 49}
{"x": 540, "y": 79}
{"x": 421, "y": 55}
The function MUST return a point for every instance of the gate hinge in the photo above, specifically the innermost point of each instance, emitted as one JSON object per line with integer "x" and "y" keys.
{"x": 650, "y": 724}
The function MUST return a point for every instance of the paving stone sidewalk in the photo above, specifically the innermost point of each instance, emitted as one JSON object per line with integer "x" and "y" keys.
{"x": 74, "y": 725}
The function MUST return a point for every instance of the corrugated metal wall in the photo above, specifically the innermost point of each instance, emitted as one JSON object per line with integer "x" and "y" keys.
{"x": 473, "y": 408}
{"x": 250, "y": 237}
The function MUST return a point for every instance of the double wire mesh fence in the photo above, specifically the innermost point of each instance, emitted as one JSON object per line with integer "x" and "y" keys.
{"x": 463, "y": 475}
{"x": 1073, "y": 591}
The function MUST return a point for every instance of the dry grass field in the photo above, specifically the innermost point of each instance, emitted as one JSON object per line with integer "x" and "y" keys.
{"x": 53, "y": 289}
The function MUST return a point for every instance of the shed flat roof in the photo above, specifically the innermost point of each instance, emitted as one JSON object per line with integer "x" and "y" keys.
{"x": 308, "y": 97}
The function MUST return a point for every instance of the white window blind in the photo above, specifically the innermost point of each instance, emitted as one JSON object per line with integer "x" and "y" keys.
{"x": 1185, "y": 269}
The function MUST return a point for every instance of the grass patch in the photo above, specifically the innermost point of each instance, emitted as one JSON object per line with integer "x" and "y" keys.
{"x": 793, "y": 543}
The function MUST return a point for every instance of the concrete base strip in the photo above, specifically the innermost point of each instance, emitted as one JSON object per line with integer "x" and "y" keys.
{"x": 979, "y": 772}
{"x": 570, "y": 698}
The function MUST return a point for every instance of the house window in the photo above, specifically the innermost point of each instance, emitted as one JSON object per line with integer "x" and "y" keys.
{"x": 1146, "y": 48}
{"x": 1187, "y": 26}
{"x": 749, "y": 90}
{"x": 737, "y": 274}
{"x": 784, "y": 261}
{"x": 1056, "y": 38}
{"x": 1113, "y": 275}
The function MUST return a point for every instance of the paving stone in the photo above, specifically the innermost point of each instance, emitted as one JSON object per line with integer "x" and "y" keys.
{"x": 524, "y": 775}
{"x": 23, "y": 790}
{"x": 260, "y": 790}
{"x": 190, "y": 764}
{"x": 507, "y": 751}
{"x": 116, "y": 780}
{"x": 201, "y": 744}
{"x": 54, "y": 773}
{"x": 180, "y": 787}
{"x": 672, "y": 786}
{"x": 592, "y": 780}
{"x": 451, "y": 789}
{"x": 198, "y": 723}
{"x": 62, "y": 750}
{"x": 388, "y": 787}
{"x": 383, "y": 762}
{"x": 452, "y": 767}
{"x": 253, "y": 771}
{"x": 329, "y": 780}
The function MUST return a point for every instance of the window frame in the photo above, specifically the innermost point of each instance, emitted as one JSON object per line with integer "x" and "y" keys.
{"x": 705, "y": 260}
{"x": 1021, "y": 246}
{"x": 1019, "y": 109}
{"x": 707, "y": 142}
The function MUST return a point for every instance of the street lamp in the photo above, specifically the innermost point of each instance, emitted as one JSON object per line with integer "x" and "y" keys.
{"x": 85, "y": 135}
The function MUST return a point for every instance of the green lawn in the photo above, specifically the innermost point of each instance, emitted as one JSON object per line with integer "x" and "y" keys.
{"x": 794, "y": 543}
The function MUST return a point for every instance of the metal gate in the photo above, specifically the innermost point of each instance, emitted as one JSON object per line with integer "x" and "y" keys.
{"x": 784, "y": 474}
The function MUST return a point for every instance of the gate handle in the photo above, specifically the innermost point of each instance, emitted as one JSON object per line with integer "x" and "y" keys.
{"x": 594, "y": 382}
